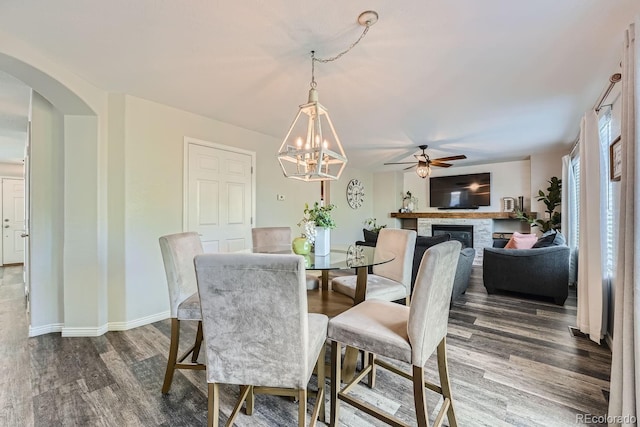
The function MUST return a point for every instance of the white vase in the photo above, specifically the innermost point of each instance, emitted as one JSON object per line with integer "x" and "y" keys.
{"x": 323, "y": 241}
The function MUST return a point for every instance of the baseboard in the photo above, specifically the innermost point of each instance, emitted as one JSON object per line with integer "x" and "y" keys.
{"x": 45, "y": 329}
{"x": 124, "y": 326}
{"x": 98, "y": 331}
{"x": 84, "y": 332}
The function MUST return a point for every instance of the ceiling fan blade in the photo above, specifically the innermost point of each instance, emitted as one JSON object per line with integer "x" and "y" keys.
{"x": 410, "y": 167}
{"x": 401, "y": 163}
{"x": 440, "y": 164}
{"x": 445, "y": 159}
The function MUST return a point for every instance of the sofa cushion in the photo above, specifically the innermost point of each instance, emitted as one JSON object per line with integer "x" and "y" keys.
{"x": 521, "y": 241}
{"x": 428, "y": 241}
{"x": 550, "y": 238}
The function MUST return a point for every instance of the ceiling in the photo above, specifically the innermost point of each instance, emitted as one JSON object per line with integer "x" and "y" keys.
{"x": 492, "y": 79}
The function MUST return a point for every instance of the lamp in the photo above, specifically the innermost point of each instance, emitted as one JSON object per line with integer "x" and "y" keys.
{"x": 312, "y": 151}
{"x": 423, "y": 169}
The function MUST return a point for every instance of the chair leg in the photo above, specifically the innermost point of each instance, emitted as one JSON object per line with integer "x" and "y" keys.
{"x": 213, "y": 407}
{"x": 302, "y": 408}
{"x": 321, "y": 382}
{"x": 173, "y": 355}
{"x": 198, "y": 344}
{"x": 443, "y": 371}
{"x": 251, "y": 401}
{"x": 419, "y": 396}
{"x": 335, "y": 382}
{"x": 372, "y": 374}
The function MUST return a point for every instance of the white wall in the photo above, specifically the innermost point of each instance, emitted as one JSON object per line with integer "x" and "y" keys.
{"x": 543, "y": 167}
{"x": 46, "y": 234}
{"x": 387, "y": 197}
{"x": 508, "y": 179}
{"x": 151, "y": 178}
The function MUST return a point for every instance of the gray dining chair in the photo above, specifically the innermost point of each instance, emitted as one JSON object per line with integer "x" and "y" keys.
{"x": 178, "y": 251}
{"x": 390, "y": 281}
{"x": 408, "y": 334}
{"x": 257, "y": 329}
{"x": 278, "y": 236}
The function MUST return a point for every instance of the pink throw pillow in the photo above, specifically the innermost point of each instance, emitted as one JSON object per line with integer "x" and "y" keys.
{"x": 521, "y": 241}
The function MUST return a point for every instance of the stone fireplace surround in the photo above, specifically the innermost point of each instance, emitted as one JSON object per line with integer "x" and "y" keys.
{"x": 482, "y": 232}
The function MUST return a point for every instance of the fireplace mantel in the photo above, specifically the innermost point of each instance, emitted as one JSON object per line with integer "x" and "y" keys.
{"x": 449, "y": 214}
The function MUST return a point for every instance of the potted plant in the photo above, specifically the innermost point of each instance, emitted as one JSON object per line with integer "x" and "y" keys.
{"x": 319, "y": 217}
{"x": 372, "y": 225}
{"x": 552, "y": 200}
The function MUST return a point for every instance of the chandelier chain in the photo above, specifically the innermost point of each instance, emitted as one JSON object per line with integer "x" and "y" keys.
{"x": 333, "y": 58}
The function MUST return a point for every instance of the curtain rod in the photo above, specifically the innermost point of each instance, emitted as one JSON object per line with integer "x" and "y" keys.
{"x": 615, "y": 78}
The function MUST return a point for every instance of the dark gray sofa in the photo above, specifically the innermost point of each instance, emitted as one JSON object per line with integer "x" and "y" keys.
{"x": 538, "y": 271}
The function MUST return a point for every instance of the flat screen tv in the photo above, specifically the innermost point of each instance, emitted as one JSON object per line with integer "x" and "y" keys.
{"x": 460, "y": 191}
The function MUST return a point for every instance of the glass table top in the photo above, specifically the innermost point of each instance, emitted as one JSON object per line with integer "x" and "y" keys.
{"x": 340, "y": 257}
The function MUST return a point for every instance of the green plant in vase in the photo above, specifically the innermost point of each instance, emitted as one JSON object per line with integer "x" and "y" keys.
{"x": 319, "y": 217}
{"x": 552, "y": 199}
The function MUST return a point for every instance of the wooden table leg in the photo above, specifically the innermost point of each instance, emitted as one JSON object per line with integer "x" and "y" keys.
{"x": 351, "y": 353}
{"x": 325, "y": 280}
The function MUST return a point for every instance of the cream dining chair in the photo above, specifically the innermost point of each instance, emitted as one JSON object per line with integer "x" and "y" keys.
{"x": 258, "y": 332}
{"x": 390, "y": 281}
{"x": 278, "y": 236}
{"x": 178, "y": 251}
{"x": 408, "y": 334}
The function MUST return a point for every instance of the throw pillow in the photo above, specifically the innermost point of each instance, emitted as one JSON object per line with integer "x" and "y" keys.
{"x": 521, "y": 241}
{"x": 545, "y": 241}
{"x": 434, "y": 240}
{"x": 370, "y": 236}
{"x": 552, "y": 238}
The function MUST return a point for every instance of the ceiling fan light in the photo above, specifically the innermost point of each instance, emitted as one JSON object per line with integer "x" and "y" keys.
{"x": 423, "y": 170}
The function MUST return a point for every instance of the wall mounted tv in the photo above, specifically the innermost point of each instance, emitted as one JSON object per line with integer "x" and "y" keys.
{"x": 460, "y": 191}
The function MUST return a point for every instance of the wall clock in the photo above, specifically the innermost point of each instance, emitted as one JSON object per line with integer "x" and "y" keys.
{"x": 355, "y": 193}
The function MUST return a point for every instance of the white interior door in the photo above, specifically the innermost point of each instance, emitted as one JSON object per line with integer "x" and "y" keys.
{"x": 219, "y": 195}
{"x": 12, "y": 221}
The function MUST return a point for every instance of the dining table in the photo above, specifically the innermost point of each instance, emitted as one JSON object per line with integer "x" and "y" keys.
{"x": 324, "y": 300}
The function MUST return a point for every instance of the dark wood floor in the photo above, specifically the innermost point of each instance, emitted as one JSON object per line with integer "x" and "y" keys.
{"x": 512, "y": 361}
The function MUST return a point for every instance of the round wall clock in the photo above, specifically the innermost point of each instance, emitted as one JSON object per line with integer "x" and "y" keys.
{"x": 355, "y": 193}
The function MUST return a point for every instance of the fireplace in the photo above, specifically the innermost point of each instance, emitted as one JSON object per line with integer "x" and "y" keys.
{"x": 461, "y": 233}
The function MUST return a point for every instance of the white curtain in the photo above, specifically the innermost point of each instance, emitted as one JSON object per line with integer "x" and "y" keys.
{"x": 592, "y": 283}
{"x": 569, "y": 213}
{"x": 625, "y": 366}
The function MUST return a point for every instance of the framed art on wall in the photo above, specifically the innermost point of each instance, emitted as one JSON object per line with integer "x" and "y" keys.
{"x": 615, "y": 160}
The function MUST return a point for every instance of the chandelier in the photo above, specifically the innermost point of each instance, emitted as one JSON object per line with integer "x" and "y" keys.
{"x": 312, "y": 151}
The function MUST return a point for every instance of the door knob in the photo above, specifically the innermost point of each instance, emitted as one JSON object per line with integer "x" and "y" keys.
{"x": 24, "y": 235}
{"x": 6, "y": 219}
{"x": 6, "y": 226}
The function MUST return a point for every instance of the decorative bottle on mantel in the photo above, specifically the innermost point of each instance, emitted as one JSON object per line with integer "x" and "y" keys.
{"x": 521, "y": 203}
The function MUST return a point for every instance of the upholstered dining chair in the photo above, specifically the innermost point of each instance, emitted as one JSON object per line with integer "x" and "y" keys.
{"x": 390, "y": 281}
{"x": 257, "y": 330}
{"x": 178, "y": 251}
{"x": 408, "y": 334}
{"x": 278, "y": 236}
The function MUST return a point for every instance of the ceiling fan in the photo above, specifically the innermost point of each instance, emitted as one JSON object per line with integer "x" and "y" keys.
{"x": 423, "y": 163}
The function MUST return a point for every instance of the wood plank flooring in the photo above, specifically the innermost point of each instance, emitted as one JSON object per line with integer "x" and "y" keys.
{"x": 512, "y": 360}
